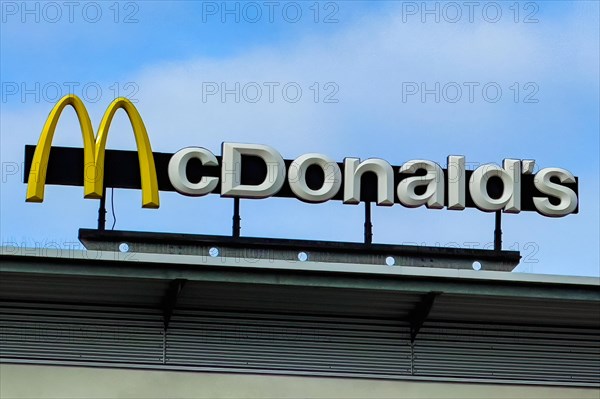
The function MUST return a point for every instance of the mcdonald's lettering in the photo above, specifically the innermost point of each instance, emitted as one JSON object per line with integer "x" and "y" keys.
{"x": 255, "y": 171}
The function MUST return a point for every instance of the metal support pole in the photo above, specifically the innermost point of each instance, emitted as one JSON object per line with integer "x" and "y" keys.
{"x": 102, "y": 211}
{"x": 368, "y": 224}
{"x": 498, "y": 232}
{"x": 164, "y": 356}
{"x": 236, "y": 218}
{"x": 412, "y": 357}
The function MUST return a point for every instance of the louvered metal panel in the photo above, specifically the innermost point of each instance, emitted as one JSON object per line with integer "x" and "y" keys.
{"x": 508, "y": 352}
{"x": 80, "y": 333}
{"x": 288, "y": 342}
{"x": 296, "y": 343}
{"x": 204, "y": 339}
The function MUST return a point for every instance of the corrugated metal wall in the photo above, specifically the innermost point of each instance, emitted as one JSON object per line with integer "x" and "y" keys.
{"x": 296, "y": 343}
{"x": 80, "y": 333}
{"x": 508, "y": 352}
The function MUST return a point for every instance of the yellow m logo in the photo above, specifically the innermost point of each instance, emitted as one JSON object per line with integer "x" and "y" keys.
{"x": 93, "y": 151}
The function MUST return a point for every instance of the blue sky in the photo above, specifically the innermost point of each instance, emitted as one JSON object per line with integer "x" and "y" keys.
{"x": 361, "y": 57}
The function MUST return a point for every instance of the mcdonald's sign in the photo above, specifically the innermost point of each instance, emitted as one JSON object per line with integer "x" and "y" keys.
{"x": 258, "y": 171}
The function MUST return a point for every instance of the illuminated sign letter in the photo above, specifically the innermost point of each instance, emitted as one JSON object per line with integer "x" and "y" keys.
{"x": 510, "y": 175}
{"x": 353, "y": 171}
{"x": 567, "y": 197}
{"x": 178, "y": 175}
{"x": 297, "y": 178}
{"x": 231, "y": 172}
{"x": 456, "y": 183}
{"x": 433, "y": 197}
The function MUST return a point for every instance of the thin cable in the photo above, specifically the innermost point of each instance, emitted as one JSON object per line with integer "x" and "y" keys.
{"x": 112, "y": 207}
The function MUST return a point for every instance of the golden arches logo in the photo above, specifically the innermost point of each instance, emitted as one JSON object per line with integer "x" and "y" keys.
{"x": 94, "y": 148}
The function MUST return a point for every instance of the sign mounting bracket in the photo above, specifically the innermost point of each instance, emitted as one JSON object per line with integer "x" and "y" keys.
{"x": 170, "y": 300}
{"x": 419, "y": 314}
{"x": 498, "y": 232}
{"x": 102, "y": 211}
{"x": 236, "y": 218}
{"x": 368, "y": 224}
